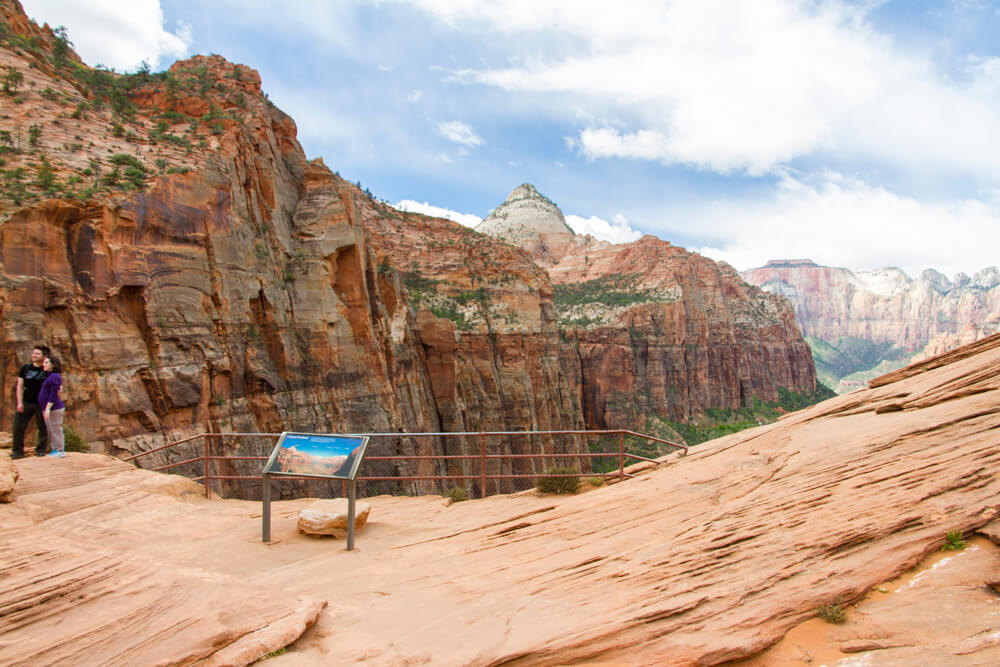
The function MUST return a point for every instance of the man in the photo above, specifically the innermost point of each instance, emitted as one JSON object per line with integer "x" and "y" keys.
{"x": 29, "y": 382}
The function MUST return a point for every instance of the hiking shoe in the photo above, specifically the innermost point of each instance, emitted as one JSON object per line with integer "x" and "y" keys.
{"x": 17, "y": 456}
{"x": 58, "y": 455}
{"x": 53, "y": 453}
{"x": 39, "y": 453}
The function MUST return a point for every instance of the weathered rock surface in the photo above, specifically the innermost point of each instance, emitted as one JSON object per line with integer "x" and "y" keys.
{"x": 329, "y": 517}
{"x": 707, "y": 559}
{"x": 70, "y": 595}
{"x": 8, "y": 477}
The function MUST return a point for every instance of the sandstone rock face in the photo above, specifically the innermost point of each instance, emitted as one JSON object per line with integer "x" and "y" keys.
{"x": 196, "y": 274}
{"x": 329, "y": 517}
{"x": 653, "y": 328}
{"x": 885, "y": 305}
{"x": 241, "y": 290}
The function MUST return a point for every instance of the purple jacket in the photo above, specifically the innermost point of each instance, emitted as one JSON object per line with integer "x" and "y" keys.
{"x": 49, "y": 393}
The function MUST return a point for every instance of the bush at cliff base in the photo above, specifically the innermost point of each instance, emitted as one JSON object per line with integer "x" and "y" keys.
{"x": 74, "y": 441}
{"x": 553, "y": 484}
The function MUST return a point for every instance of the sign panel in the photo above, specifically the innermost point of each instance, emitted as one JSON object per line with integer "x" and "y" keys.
{"x": 317, "y": 455}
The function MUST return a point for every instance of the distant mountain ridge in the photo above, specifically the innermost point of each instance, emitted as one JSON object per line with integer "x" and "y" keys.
{"x": 853, "y": 319}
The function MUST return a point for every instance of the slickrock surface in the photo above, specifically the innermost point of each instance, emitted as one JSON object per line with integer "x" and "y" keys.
{"x": 70, "y": 595}
{"x": 709, "y": 558}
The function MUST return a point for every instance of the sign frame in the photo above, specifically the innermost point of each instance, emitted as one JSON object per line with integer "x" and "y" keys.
{"x": 358, "y": 452}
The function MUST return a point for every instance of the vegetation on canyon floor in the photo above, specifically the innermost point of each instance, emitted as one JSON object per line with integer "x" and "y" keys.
{"x": 953, "y": 541}
{"x": 832, "y": 612}
{"x": 719, "y": 422}
{"x": 854, "y": 360}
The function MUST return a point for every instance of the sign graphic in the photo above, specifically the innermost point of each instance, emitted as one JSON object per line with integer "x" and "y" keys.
{"x": 317, "y": 455}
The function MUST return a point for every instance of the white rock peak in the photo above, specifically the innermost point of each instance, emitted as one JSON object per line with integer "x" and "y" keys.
{"x": 531, "y": 221}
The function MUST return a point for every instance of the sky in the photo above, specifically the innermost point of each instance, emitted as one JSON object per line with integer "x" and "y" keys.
{"x": 861, "y": 134}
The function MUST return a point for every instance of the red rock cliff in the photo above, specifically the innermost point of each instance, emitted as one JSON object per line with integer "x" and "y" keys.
{"x": 655, "y": 329}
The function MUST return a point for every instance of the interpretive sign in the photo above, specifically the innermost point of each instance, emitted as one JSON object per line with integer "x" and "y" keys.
{"x": 318, "y": 455}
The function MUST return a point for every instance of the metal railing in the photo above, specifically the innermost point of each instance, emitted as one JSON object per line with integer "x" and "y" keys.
{"x": 207, "y": 457}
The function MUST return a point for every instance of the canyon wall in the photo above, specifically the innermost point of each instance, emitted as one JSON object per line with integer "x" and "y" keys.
{"x": 863, "y": 324}
{"x": 656, "y": 330}
{"x": 882, "y": 306}
{"x": 167, "y": 237}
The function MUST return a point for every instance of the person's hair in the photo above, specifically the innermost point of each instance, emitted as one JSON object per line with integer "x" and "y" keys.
{"x": 56, "y": 364}
{"x": 44, "y": 349}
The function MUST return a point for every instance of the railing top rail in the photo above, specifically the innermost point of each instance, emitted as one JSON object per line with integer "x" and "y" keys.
{"x": 449, "y": 434}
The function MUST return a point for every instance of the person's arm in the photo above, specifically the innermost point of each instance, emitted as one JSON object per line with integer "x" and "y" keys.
{"x": 50, "y": 392}
{"x": 20, "y": 394}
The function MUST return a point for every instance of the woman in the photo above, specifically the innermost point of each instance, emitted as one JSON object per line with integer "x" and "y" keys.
{"x": 52, "y": 406}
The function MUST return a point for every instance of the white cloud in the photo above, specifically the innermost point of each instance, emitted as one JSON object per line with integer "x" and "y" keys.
{"x": 618, "y": 231}
{"x": 734, "y": 85}
{"x": 459, "y": 132}
{"x": 115, "y": 34}
{"x": 467, "y": 219}
{"x": 841, "y": 221}
{"x": 415, "y": 96}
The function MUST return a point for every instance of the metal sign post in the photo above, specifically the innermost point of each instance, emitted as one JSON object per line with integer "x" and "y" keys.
{"x": 266, "y": 510}
{"x": 351, "y": 485}
{"x": 317, "y": 456}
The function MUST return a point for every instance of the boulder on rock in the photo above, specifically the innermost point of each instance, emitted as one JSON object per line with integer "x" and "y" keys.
{"x": 8, "y": 477}
{"x": 329, "y": 517}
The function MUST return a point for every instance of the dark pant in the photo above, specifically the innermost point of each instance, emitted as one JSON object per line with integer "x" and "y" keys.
{"x": 21, "y": 422}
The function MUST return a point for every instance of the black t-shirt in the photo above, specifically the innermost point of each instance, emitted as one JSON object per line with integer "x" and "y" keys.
{"x": 33, "y": 377}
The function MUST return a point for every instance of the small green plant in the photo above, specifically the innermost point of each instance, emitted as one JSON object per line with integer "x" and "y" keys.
{"x": 596, "y": 481}
{"x": 953, "y": 541}
{"x": 274, "y": 654}
{"x": 833, "y": 612}
{"x": 34, "y": 134}
{"x": 74, "y": 441}
{"x": 457, "y": 494}
{"x": 557, "y": 481}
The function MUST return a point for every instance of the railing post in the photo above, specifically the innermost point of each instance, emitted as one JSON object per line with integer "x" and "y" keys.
{"x": 482, "y": 465}
{"x": 621, "y": 455}
{"x": 206, "y": 468}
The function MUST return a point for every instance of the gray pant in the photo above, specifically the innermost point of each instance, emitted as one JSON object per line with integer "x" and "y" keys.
{"x": 54, "y": 425}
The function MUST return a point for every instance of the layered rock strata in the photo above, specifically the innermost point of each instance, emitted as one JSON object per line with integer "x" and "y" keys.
{"x": 197, "y": 273}
{"x": 655, "y": 329}
{"x": 884, "y": 306}
{"x": 209, "y": 278}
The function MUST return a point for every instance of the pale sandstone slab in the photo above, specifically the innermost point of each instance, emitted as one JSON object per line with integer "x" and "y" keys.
{"x": 69, "y": 595}
{"x": 708, "y": 559}
{"x": 329, "y": 517}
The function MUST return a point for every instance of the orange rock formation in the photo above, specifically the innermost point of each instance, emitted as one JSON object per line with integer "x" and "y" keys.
{"x": 709, "y": 558}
